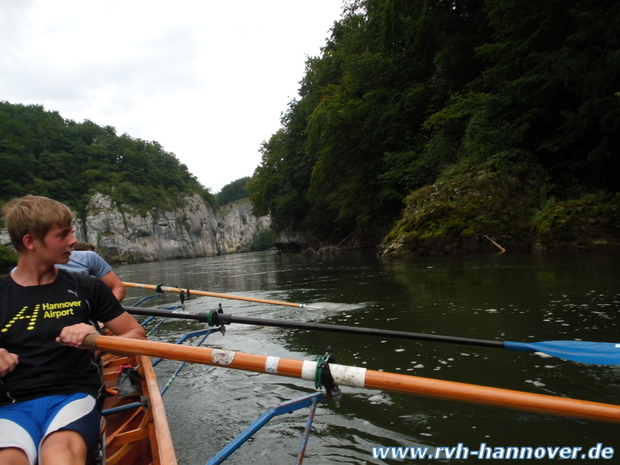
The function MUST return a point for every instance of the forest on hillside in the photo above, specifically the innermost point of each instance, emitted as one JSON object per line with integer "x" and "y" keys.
{"x": 42, "y": 153}
{"x": 233, "y": 191}
{"x": 405, "y": 91}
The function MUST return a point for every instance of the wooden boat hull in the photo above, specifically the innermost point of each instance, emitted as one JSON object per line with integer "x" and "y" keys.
{"x": 138, "y": 435}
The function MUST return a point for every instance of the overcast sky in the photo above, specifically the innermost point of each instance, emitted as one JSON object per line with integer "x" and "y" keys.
{"x": 206, "y": 79}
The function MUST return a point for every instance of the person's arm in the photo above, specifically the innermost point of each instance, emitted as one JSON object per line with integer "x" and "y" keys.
{"x": 123, "y": 325}
{"x": 107, "y": 310}
{"x": 115, "y": 284}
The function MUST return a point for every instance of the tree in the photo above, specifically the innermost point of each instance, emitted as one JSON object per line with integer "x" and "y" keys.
{"x": 233, "y": 191}
{"x": 41, "y": 153}
{"x": 407, "y": 91}
{"x": 351, "y": 138}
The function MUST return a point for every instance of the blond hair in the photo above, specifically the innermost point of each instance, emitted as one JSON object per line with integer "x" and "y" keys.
{"x": 35, "y": 215}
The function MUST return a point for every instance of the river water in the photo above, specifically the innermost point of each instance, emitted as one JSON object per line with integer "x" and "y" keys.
{"x": 520, "y": 298}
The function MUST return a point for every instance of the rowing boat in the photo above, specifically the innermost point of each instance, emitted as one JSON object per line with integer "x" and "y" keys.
{"x": 136, "y": 429}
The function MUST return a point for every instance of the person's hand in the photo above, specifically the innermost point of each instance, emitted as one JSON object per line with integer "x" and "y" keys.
{"x": 8, "y": 362}
{"x": 74, "y": 335}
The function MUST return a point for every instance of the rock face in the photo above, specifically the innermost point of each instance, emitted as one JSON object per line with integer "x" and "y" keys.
{"x": 123, "y": 235}
{"x": 240, "y": 226}
{"x": 291, "y": 240}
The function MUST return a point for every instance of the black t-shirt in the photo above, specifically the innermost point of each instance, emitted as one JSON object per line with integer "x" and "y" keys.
{"x": 30, "y": 320}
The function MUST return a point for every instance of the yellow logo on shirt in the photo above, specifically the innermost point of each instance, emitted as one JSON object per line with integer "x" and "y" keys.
{"x": 55, "y": 310}
{"x": 58, "y": 313}
{"x": 59, "y": 310}
{"x": 22, "y": 316}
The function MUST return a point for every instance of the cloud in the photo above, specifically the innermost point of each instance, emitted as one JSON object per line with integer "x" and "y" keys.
{"x": 207, "y": 80}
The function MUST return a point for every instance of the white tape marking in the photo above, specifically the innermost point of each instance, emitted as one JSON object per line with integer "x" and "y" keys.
{"x": 271, "y": 365}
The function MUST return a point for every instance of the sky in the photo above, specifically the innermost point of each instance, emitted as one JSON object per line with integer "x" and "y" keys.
{"x": 208, "y": 80}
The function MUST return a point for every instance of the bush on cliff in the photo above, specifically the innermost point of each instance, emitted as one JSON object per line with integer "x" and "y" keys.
{"x": 468, "y": 206}
{"x": 578, "y": 223}
{"x": 262, "y": 241}
{"x": 456, "y": 213}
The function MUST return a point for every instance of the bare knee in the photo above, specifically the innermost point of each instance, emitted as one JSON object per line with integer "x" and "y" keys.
{"x": 13, "y": 456}
{"x": 63, "y": 448}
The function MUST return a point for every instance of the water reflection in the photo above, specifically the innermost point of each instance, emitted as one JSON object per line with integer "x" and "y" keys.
{"x": 502, "y": 297}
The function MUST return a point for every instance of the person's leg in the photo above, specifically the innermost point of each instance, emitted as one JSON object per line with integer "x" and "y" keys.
{"x": 18, "y": 436}
{"x": 63, "y": 448}
{"x": 72, "y": 430}
{"x": 13, "y": 456}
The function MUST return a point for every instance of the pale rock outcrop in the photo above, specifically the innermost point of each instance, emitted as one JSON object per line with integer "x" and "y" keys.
{"x": 292, "y": 240}
{"x": 196, "y": 230}
{"x": 240, "y": 226}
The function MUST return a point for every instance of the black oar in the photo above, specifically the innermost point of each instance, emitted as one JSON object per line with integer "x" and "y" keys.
{"x": 596, "y": 353}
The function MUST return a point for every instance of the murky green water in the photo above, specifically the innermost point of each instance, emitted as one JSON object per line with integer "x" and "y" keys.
{"x": 501, "y": 297}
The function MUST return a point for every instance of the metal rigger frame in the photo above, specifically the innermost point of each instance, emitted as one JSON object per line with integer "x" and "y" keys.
{"x": 323, "y": 379}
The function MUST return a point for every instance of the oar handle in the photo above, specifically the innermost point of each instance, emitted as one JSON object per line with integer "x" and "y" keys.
{"x": 90, "y": 342}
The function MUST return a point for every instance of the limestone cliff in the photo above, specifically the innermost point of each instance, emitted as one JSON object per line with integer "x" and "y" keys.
{"x": 196, "y": 230}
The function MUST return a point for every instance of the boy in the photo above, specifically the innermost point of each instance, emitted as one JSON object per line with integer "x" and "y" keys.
{"x": 49, "y": 388}
{"x": 88, "y": 262}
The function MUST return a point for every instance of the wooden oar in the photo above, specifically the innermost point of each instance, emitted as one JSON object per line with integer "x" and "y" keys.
{"x": 159, "y": 288}
{"x": 363, "y": 378}
{"x": 595, "y": 353}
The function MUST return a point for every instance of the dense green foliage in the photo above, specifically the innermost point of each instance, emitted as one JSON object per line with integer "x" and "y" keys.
{"x": 41, "y": 153}
{"x": 233, "y": 191}
{"x": 406, "y": 92}
{"x": 8, "y": 259}
{"x": 470, "y": 204}
{"x": 262, "y": 241}
{"x": 593, "y": 215}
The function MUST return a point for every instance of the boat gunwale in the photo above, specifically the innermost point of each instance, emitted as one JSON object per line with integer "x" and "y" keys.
{"x": 152, "y": 416}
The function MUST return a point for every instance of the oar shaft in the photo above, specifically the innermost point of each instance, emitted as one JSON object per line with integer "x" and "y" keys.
{"x": 506, "y": 398}
{"x": 226, "y": 319}
{"x": 361, "y": 377}
{"x": 210, "y": 294}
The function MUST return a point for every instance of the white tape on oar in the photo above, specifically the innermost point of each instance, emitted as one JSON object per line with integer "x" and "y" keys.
{"x": 271, "y": 365}
{"x": 343, "y": 375}
{"x": 222, "y": 357}
{"x": 308, "y": 370}
{"x": 348, "y": 376}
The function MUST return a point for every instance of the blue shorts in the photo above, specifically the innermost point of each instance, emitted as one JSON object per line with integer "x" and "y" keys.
{"x": 24, "y": 425}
